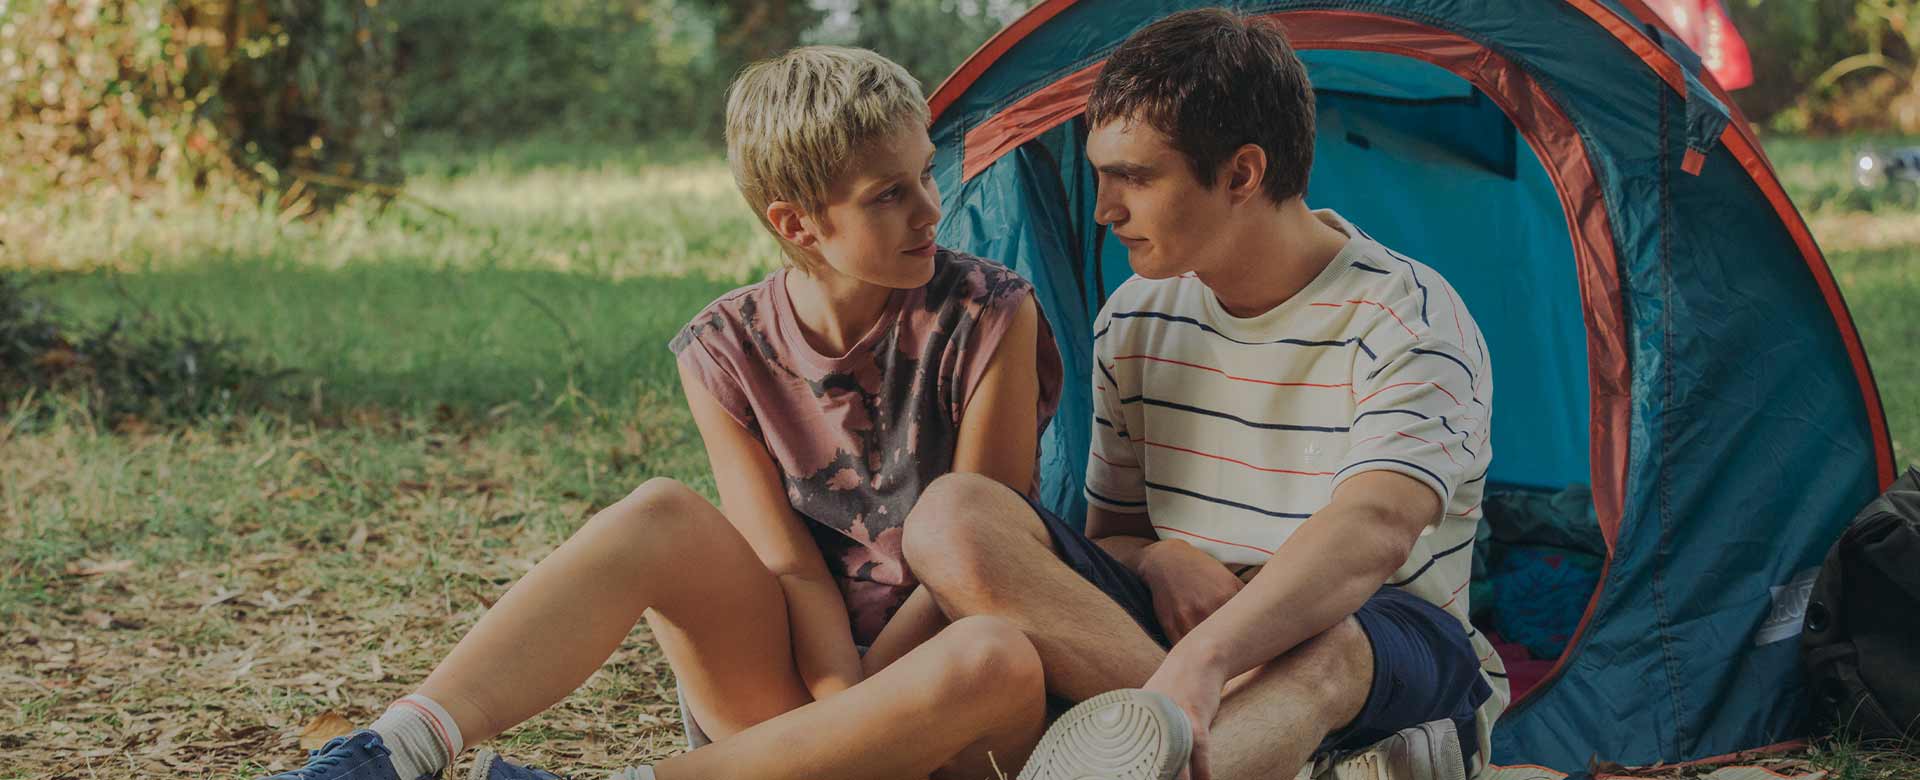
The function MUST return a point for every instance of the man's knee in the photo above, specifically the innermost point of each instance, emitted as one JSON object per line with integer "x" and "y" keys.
{"x": 1337, "y": 666}
{"x": 957, "y": 526}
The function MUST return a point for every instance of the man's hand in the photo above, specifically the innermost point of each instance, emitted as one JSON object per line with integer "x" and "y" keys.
{"x": 1197, "y": 689}
{"x": 1187, "y": 585}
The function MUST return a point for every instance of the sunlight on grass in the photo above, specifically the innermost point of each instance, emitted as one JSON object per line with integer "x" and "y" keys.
{"x": 611, "y": 222}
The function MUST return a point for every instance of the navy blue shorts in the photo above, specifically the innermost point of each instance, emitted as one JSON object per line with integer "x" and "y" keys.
{"x": 1424, "y": 667}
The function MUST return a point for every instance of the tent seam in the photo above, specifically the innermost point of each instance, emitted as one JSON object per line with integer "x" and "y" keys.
{"x": 1666, "y": 369}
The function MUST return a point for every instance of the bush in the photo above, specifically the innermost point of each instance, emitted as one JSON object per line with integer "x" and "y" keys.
{"x": 133, "y": 94}
{"x": 506, "y": 68}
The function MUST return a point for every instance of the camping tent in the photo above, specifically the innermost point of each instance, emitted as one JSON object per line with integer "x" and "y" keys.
{"x": 1662, "y": 326}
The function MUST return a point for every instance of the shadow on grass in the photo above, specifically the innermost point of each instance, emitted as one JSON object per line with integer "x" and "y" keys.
{"x": 415, "y": 339}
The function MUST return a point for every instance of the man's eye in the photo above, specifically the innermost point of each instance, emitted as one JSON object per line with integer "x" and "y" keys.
{"x": 892, "y": 194}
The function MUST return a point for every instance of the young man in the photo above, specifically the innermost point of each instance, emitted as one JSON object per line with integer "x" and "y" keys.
{"x": 1290, "y": 441}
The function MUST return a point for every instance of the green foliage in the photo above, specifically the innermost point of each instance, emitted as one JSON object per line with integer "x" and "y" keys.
{"x": 899, "y": 30}
{"x": 506, "y": 68}
{"x": 1832, "y": 65}
{"x": 134, "y": 94}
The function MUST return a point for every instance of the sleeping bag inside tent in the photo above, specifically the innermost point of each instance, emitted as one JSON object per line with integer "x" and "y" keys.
{"x": 1685, "y": 417}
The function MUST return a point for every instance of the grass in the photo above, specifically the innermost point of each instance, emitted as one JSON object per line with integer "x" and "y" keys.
{"x": 479, "y": 365}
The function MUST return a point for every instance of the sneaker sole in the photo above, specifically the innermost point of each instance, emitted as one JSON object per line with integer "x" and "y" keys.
{"x": 1118, "y": 735}
{"x": 1429, "y": 751}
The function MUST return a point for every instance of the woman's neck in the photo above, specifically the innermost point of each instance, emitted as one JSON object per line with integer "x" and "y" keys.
{"x": 834, "y": 310}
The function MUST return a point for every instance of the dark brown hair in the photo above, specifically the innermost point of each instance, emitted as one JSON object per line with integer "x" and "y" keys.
{"x": 1212, "y": 81}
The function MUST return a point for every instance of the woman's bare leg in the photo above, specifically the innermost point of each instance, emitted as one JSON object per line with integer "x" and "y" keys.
{"x": 968, "y": 699}
{"x": 662, "y": 547}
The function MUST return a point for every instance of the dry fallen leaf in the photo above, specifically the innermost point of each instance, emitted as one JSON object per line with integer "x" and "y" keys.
{"x": 88, "y": 568}
{"x": 324, "y": 727}
{"x": 97, "y": 619}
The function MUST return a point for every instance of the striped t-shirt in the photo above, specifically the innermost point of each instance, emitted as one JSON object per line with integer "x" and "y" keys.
{"x": 1230, "y": 432}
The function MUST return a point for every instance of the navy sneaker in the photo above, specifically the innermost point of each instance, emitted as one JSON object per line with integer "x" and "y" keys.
{"x": 488, "y": 765}
{"x": 357, "y": 756}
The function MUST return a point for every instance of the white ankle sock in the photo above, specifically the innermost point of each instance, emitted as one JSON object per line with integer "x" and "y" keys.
{"x": 423, "y": 737}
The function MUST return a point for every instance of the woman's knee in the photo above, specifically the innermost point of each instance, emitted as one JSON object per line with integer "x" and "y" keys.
{"x": 660, "y": 513}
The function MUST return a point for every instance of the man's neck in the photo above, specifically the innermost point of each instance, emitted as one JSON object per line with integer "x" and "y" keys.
{"x": 834, "y": 310}
{"x": 1273, "y": 256}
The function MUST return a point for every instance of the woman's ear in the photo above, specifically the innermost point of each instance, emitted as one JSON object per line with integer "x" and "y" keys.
{"x": 1246, "y": 172}
{"x": 791, "y": 224}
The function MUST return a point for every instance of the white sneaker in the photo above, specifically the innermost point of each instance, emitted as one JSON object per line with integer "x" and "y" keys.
{"x": 1429, "y": 751}
{"x": 1127, "y": 734}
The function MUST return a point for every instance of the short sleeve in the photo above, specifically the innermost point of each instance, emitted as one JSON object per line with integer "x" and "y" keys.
{"x": 1417, "y": 412}
{"x": 992, "y": 311}
{"x": 1114, "y": 479}
{"x": 697, "y": 359}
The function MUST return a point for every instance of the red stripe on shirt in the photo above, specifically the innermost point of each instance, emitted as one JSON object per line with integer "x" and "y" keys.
{"x": 1436, "y": 386}
{"x": 1233, "y": 460}
{"x": 1383, "y": 307}
{"x": 1215, "y": 541}
{"x": 1443, "y": 447}
{"x": 1096, "y": 456}
{"x": 1227, "y": 375}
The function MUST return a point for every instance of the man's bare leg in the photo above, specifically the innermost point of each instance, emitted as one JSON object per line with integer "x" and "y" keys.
{"x": 1274, "y": 717}
{"x": 963, "y": 702}
{"x": 982, "y": 551}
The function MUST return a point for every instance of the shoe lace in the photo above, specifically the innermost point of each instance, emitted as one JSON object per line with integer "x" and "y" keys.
{"x": 318, "y": 762}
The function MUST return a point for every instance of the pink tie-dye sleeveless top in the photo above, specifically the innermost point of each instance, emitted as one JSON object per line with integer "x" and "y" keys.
{"x": 858, "y": 437}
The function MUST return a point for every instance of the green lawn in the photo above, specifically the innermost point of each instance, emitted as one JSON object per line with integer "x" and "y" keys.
{"x": 477, "y": 366}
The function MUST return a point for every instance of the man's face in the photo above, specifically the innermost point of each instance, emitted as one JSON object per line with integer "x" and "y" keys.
{"x": 1151, "y": 200}
{"x": 879, "y": 219}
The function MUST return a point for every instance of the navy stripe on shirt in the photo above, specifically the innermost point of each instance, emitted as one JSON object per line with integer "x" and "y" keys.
{"x": 1109, "y": 373}
{"x": 1464, "y": 439}
{"x": 1226, "y": 502}
{"x": 1241, "y": 420}
{"x": 1371, "y": 269}
{"x": 1121, "y": 315}
{"x": 1431, "y": 560}
{"x": 1408, "y": 464}
{"x": 1416, "y": 281}
{"x": 1104, "y": 499}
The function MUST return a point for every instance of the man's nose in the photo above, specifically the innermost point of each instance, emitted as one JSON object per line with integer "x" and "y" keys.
{"x": 1105, "y": 210}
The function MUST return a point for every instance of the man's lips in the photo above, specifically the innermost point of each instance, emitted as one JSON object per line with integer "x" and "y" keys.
{"x": 923, "y": 250}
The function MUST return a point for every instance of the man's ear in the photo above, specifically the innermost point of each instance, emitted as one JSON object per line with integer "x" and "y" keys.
{"x": 791, "y": 224}
{"x": 1246, "y": 172}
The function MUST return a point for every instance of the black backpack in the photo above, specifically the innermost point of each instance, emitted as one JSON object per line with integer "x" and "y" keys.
{"x": 1862, "y": 636}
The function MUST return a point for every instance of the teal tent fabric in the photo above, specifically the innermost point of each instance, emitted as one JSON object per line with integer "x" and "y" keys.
{"x": 1750, "y": 434}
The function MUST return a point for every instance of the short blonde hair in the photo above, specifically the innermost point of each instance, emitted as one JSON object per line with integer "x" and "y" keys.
{"x": 794, "y": 122}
